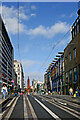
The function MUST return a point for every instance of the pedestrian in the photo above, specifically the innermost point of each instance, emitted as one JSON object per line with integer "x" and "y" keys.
{"x": 4, "y": 91}
{"x": 77, "y": 92}
{"x": 8, "y": 90}
{"x": 71, "y": 91}
{"x": 15, "y": 92}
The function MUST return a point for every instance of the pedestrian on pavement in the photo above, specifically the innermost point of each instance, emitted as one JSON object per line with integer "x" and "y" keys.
{"x": 15, "y": 92}
{"x": 4, "y": 91}
{"x": 8, "y": 90}
{"x": 71, "y": 91}
{"x": 77, "y": 92}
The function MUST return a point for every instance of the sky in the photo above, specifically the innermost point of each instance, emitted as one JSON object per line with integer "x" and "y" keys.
{"x": 37, "y": 32}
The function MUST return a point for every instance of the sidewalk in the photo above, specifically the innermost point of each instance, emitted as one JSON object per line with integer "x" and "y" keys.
{"x": 1, "y": 99}
{"x": 68, "y": 97}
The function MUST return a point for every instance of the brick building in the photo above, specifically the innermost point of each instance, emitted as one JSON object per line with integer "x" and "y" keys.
{"x": 72, "y": 59}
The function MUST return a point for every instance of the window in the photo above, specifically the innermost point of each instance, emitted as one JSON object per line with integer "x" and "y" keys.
{"x": 66, "y": 77}
{"x": 18, "y": 65}
{"x": 77, "y": 28}
{"x": 14, "y": 65}
{"x": 69, "y": 56}
{"x": 75, "y": 74}
{"x": 18, "y": 81}
{"x": 73, "y": 33}
{"x": 70, "y": 76}
{"x": 18, "y": 73}
{"x": 18, "y": 69}
{"x": 18, "y": 78}
{"x": 75, "y": 52}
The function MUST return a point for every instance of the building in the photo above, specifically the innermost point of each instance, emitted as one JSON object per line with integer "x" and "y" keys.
{"x": 35, "y": 83}
{"x": 72, "y": 58}
{"x": 15, "y": 77}
{"x": 6, "y": 56}
{"x": 45, "y": 81}
{"x": 20, "y": 75}
{"x": 57, "y": 75}
{"x": 54, "y": 76}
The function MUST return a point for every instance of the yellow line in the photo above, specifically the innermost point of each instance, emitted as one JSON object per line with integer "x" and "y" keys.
{"x": 4, "y": 100}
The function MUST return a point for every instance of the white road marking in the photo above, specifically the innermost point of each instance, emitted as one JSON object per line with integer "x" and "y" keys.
{"x": 1, "y": 116}
{"x": 48, "y": 110}
{"x": 62, "y": 103}
{"x": 11, "y": 109}
{"x": 72, "y": 113}
{"x": 11, "y": 102}
{"x": 32, "y": 110}
{"x": 6, "y": 106}
{"x": 25, "y": 108}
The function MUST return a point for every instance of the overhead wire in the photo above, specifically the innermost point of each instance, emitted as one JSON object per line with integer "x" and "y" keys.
{"x": 53, "y": 48}
{"x": 18, "y": 35}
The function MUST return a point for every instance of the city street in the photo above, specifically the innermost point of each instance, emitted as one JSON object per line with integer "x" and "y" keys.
{"x": 39, "y": 60}
{"x": 41, "y": 106}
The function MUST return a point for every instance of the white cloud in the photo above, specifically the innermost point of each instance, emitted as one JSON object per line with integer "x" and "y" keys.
{"x": 72, "y": 14}
{"x": 49, "y": 32}
{"x": 64, "y": 42}
{"x": 11, "y": 21}
{"x": 25, "y": 50}
{"x": 33, "y": 14}
{"x": 28, "y": 63}
{"x": 33, "y": 7}
{"x": 10, "y": 17}
{"x": 13, "y": 25}
{"x": 63, "y": 16}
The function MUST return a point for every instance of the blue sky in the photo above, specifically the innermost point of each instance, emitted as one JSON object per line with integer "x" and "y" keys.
{"x": 41, "y": 26}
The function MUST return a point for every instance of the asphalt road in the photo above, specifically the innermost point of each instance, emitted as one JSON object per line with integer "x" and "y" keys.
{"x": 43, "y": 109}
{"x": 18, "y": 112}
{"x": 42, "y": 113}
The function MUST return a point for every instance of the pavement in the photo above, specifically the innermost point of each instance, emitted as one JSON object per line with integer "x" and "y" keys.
{"x": 1, "y": 97}
{"x": 68, "y": 97}
{"x": 18, "y": 112}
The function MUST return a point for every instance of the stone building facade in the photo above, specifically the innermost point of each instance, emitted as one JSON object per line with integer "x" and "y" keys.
{"x": 72, "y": 59}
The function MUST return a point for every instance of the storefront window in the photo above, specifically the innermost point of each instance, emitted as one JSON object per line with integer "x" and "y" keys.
{"x": 70, "y": 76}
{"x": 75, "y": 74}
{"x": 77, "y": 28}
{"x": 69, "y": 56}
{"x": 75, "y": 52}
{"x": 66, "y": 77}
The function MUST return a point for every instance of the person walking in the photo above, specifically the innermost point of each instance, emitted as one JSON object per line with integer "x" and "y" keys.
{"x": 4, "y": 91}
{"x": 71, "y": 91}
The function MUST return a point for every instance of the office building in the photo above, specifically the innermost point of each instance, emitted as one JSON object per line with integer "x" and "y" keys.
{"x": 72, "y": 59}
{"x": 6, "y": 56}
{"x": 20, "y": 75}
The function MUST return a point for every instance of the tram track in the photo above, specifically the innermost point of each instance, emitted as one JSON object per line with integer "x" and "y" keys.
{"x": 64, "y": 107}
{"x": 6, "y": 108}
